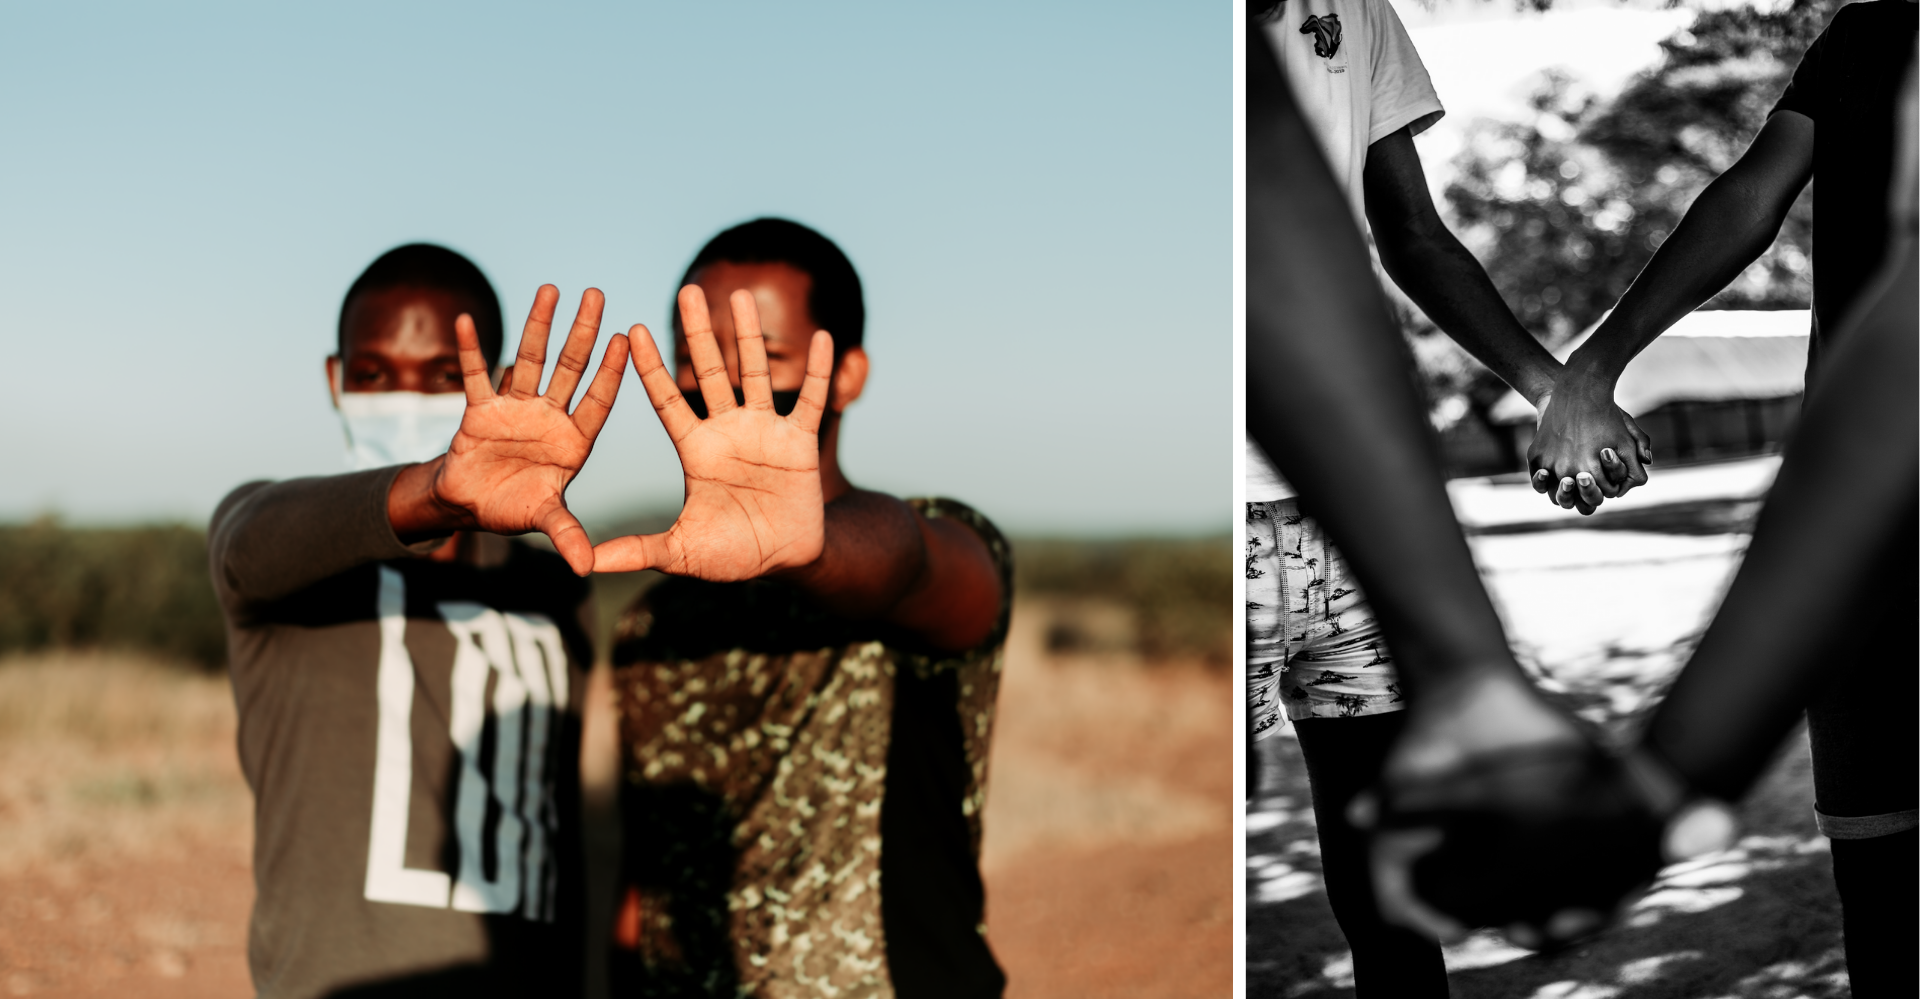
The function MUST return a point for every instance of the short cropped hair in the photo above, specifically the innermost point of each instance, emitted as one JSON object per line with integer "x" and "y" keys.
{"x": 424, "y": 265}
{"x": 834, "y": 299}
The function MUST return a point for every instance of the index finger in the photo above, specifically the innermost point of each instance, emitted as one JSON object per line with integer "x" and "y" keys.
{"x": 675, "y": 415}
{"x": 812, "y": 405}
{"x": 591, "y": 414}
{"x": 473, "y": 365}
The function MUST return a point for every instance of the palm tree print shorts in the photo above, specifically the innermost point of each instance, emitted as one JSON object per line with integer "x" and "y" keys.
{"x": 1312, "y": 642}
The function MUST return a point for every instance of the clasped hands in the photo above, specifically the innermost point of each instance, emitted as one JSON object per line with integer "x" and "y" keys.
{"x": 754, "y": 500}
{"x": 1495, "y": 809}
{"x": 1586, "y": 449}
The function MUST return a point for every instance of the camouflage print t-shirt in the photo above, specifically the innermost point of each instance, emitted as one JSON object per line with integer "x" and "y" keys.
{"x": 758, "y": 733}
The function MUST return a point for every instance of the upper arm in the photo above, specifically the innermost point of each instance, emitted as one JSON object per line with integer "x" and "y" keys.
{"x": 1395, "y": 184}
{"x": 959, "y": 603}
{"x": 224, "y": 535}
{"x": 962, "y": 601}
{"x": 1779, "y": 163}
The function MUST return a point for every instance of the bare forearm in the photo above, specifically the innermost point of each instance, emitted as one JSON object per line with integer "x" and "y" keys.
{"x": 872, "y": 555}
{"x": 1330, "y": 397}
{"x": 1428, "y": 263}
{"x": 882, "y": 560}
{"x": 1843, "y": 502}
{"x": 1726, "y": 228}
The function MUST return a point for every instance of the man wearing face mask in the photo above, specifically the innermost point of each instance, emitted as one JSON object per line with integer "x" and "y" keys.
{"x": 408, "y": 679}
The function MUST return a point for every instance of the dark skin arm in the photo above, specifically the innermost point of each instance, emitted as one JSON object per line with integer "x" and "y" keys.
{"x": 1732, "y": 222}
{"x": 1346, "y": 408}
{"x": 1839, "y": 518}
{"x": 1844, "y": 497}
{"x": 1428, "y": 263}
{"x": 883, "y": 560}
{"x": 1840, "y": 515}
{"x": 757, "y": 503}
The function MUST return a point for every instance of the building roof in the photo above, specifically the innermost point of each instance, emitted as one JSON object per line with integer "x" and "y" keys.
{"x": 1705, "y": 357}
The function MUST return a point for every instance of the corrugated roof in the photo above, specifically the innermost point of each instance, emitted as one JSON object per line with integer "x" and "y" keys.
{"x": 1705, "y": 357}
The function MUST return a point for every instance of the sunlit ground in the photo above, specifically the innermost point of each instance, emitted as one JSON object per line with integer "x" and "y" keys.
{"x": 1604, "y": 619}
{"x": 125, "y": 827}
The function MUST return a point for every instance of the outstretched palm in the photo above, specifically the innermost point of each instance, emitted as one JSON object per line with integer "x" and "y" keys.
{"x": 508, "y": 467}
{"x": 754, "y": 501}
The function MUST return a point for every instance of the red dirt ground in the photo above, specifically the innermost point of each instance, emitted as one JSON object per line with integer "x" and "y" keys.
{"x": 1108, "y": 866}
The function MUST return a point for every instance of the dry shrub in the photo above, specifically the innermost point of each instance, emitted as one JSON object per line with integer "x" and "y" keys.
{"x": 1178, "y": 591}
{"x": 110, "y": 700}
{"x": 131, "y": 588}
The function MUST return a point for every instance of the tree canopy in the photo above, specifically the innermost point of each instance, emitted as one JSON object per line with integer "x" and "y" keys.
{"x": 1565, "y": 206}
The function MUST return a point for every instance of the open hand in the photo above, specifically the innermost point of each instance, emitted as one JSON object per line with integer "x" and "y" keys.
{"x": 1586, "y": 449}
{"x": 509, "y": 465}
{"x": 754, "y": 500}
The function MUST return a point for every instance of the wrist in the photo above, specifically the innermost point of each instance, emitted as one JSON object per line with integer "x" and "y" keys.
{"x": 1538, "y": 390}
{"x": 1593, "y": 363}
{"x": 415, "y": 509}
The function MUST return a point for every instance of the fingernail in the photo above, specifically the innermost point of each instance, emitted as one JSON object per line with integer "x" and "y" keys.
{"x": 1584, "y": 479}
{"x": 1607, "y": 454}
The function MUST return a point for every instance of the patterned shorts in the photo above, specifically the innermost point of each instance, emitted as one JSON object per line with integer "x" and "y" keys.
{"x": 1312, "y": 642}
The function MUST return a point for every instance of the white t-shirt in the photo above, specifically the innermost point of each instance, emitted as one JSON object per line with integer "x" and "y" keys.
{"x": 1357, "y": 79}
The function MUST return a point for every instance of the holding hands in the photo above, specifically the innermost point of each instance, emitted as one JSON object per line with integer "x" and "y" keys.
{"x": 1494, "y": 809}
{"x": 1586, "y": 449}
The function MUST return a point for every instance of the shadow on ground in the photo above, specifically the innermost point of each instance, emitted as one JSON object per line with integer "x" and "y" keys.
{"x": 1758, "y": 921}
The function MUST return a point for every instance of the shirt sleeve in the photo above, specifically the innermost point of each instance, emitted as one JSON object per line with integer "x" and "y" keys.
{"x": 272, "y": 539}
{"x": 1403, "y": 95}
{"x": 1803, "y": 90}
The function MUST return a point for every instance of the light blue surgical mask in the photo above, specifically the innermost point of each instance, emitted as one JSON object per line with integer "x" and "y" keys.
{"x": 397, "y": 428}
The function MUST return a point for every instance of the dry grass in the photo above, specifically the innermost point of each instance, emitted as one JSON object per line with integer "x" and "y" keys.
{"x": 108, "y": 757}
{"x": 125, "y": 825}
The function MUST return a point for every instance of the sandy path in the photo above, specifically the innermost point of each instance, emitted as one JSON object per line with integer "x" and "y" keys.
{"x": 1109, "y": 854}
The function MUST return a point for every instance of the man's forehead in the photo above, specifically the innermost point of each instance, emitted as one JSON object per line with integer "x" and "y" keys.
{"x": 413, "y": 320}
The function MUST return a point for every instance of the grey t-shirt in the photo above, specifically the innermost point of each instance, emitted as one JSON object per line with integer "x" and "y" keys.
{"x": 411, "y": 733}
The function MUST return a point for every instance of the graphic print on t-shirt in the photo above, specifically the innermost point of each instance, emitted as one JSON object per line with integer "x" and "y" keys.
{"x": 523, "y": 656}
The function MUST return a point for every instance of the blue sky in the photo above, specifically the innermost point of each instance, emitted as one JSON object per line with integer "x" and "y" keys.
{"x": 1038, "y": 200}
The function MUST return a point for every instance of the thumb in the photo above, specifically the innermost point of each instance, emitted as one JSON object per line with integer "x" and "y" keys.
{"x": 569, "y": 539}
{"x": 632, "y": 553}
